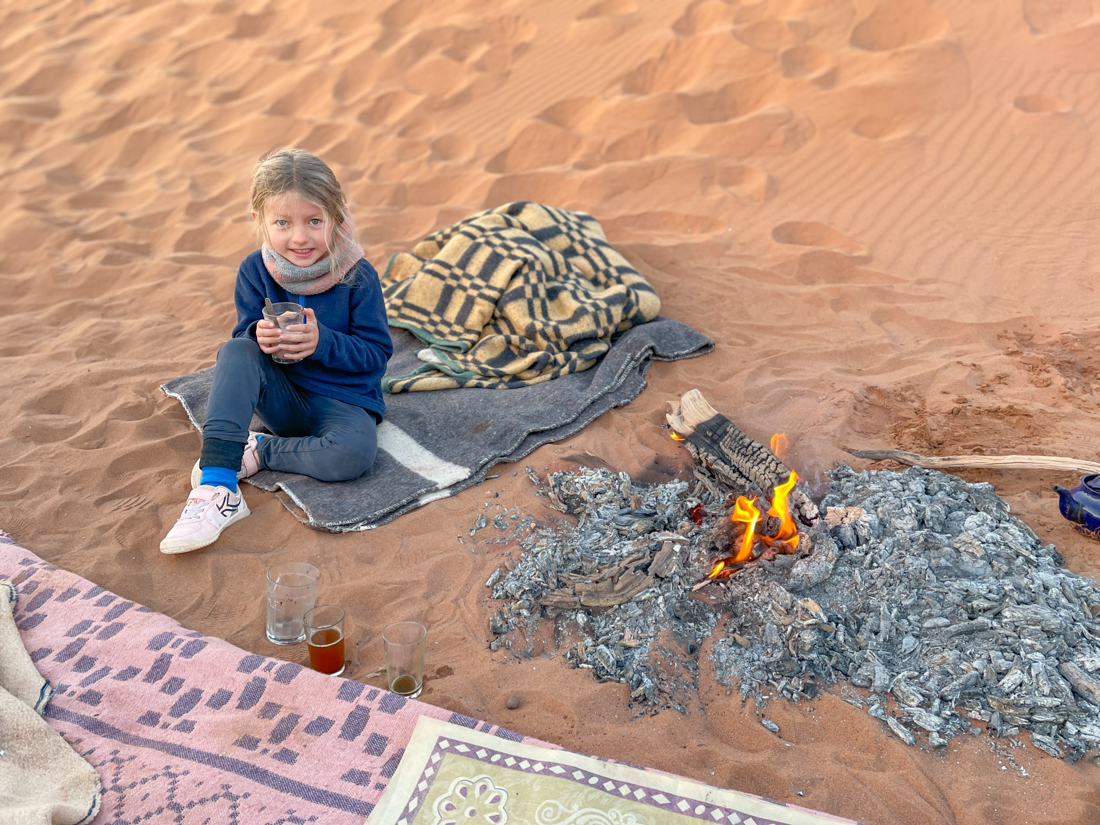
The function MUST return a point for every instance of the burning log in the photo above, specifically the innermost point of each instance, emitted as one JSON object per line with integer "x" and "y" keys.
{"x": 756, "y": 528}
{"x": 714, "y": 441}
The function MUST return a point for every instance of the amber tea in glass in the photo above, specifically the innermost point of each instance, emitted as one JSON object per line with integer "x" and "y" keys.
{"x": 325, "y": 639}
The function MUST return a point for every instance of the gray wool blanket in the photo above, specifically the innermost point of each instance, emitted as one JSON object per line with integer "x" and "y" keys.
{"x": 434, "y": 444}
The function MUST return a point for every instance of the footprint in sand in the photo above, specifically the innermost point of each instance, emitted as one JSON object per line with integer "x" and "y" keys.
{"x": 748, "y": 183}
{"x": 766, "y": 35}
{"x": 51, "y": 79}
{"x": 452, "y": 148}
{"x": 436, "y": 76}
{"x": 805, "y": 61}
{"x": 897, "y": 23}
{"x": 252, "y": 25}
{"x": 1051, "y": 16}
{"x": 1040, "y": 104}
{"x": 22, "y": 118}
{"x": 17, "y": 522}
{"x": 604, "y": 21}
{"x": 403, "y": 13}
{"x": 1049, "y": 121}
{"x": 133, "y": 503}
{"x": 579, "y": 113}
{"x": 881, "y": 128}
{"x": 535, "y": 146}
{"x": 812, "y": 233}
{"x": 45, "y": 428}
{"x": 610, "y": 8}
{"x": 388, "y": 108}
{"x": 703, "y": 16}
{"x": 32, "y": 108}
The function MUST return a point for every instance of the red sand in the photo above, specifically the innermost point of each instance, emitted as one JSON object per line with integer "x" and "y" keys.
{"x": 885, "y": 214}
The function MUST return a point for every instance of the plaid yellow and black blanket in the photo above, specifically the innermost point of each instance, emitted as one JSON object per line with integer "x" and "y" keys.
{"x": 512, "y": 296}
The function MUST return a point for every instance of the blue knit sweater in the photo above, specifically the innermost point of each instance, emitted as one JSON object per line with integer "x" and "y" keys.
{"x": 354, "y": 343}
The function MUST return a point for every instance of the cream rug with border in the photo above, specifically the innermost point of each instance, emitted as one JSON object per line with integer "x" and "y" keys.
{"x": 450, "y": 775}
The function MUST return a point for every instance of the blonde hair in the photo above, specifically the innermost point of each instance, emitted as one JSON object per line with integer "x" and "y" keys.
{"x": 306, "y": 175}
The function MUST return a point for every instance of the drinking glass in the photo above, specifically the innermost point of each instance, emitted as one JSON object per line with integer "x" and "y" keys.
{"x": 405, "y": 643}
{"x": 325, "y": 639}
{"x": 291, "y": 591}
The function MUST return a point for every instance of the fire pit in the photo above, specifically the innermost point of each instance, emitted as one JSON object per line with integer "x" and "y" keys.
{"x": 917, "y": 595}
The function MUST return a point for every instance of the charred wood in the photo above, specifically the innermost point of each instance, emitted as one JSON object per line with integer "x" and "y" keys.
{"x": 715, "y": 442}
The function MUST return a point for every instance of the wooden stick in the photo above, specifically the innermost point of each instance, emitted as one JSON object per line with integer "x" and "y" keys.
{"x": 1002, "y": 462}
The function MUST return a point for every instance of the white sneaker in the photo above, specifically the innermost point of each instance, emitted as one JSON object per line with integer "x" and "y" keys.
{"x": 250, "y": 461}
{"x": 208, "y": 511}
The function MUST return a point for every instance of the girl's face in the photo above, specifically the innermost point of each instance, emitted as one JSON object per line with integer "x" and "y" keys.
{"x": 296, "y": 228}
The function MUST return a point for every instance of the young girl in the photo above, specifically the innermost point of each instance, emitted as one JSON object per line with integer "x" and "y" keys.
{"x": 323, "y": 408}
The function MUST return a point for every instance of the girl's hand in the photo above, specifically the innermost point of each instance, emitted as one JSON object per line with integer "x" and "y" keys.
{"x": 300, "y": 340}
{"x": 268, "y": 336}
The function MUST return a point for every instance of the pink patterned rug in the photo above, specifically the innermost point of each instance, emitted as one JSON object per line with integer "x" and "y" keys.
{"x": 186, "y": 728}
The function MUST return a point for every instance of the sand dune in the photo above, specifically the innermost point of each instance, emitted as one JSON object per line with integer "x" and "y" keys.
{"x": 885, "y": 214}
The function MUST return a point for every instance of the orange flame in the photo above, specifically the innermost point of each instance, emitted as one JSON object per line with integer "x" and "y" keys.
{"x": 788, "y": 530}
{"x": 779, "y": 444}
{"x": 746, "y": 512}
{"x": 676, "y": 437}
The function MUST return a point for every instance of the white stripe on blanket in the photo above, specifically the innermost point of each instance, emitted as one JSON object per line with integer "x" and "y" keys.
{"x": 404, "y": 449}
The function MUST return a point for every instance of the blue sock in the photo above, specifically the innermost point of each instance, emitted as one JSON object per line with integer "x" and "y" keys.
{"x": 220, "y": 477}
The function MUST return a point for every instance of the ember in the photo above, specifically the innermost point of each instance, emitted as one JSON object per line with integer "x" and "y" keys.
{"x": 745, "y": 512}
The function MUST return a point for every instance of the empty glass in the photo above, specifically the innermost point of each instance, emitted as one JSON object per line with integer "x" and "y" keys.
{"x": 291, "y": 592}
{"x": 284, "y": 313}
{"x": 405, "y": 643}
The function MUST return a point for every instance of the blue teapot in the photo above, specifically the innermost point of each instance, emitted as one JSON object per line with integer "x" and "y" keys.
{"x": 1081, "y": 504}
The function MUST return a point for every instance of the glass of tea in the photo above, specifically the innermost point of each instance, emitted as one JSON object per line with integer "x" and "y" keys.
{"x": 405, "y": 643}
{"x": 325, "y": 639}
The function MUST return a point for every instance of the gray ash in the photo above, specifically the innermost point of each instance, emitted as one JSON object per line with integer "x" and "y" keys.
{"x": 940, "y": 601}
{"x": 650, "y": 641}
{"x": 919, "y": 589}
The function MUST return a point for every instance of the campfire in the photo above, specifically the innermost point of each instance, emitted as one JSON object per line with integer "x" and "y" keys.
{"x": 916, "y": 595}
{"x": 742, "y": 464}
{"x": 747, "y": 514}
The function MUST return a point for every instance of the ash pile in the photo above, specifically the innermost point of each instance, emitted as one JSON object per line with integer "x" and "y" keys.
{"x": 614, "y": 585}
{"x": 947, "y": 614}
{"x": 946, "y": 608}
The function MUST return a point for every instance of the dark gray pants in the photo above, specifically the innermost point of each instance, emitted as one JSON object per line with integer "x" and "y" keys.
{"x": 315, "y": 435}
